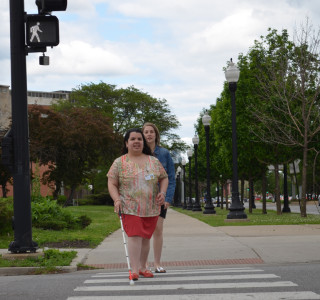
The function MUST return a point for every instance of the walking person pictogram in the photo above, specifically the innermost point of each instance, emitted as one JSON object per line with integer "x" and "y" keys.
{"x": 35, "y": 29}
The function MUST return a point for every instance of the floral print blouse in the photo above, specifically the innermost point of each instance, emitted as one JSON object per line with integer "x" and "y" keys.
{"x": 138, "y": 187}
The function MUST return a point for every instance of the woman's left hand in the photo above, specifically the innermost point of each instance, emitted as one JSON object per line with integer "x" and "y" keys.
{"x": 160, "y": 199}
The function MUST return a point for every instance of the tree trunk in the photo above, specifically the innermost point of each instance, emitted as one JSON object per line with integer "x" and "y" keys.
{"x": 251, "y": 195}
{"x": 264, "y": 193}
{"x": 304, "y": 181}
{"x": 69, "y": 201}
{"x": 4, "y": 190}
{"x": 277, "y": 189}
{"x": 57, "y": 189}
{"x": 222, "y": 194}
{"x": 314, "y": 184}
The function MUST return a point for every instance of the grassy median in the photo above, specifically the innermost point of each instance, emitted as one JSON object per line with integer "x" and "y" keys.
{"x": 254, "y": 218}
{"x": 104, "y": 222}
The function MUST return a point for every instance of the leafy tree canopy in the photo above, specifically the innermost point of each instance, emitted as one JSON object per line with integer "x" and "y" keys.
{"x": 128, "y": 108}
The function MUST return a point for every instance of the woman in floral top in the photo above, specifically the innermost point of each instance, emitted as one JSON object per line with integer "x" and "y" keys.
{"x": 137, "y": 183}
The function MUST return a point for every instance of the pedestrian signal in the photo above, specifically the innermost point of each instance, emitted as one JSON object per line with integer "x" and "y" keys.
{"x": 42, "y": 31}
{"x": 47, "y": 6}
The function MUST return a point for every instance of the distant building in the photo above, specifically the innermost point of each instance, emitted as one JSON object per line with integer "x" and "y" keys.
{"x": 34, "y": 97}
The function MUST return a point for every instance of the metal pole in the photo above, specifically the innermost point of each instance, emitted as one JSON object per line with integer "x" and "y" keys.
{"x": 218, "y": 200}
{"x": 179, "y": 190}
{"x": 209, "y": 208}
{"x": 190, "y": 205}
{"x": 236, "y": 209}
{"x": 286, "y": 208}
{"x": 184, "y": 187}
{"x": 21, "y": 169}
{"x": 196, "y": 206}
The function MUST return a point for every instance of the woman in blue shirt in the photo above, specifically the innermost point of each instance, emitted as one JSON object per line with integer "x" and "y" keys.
{"x": 151, "y": 133}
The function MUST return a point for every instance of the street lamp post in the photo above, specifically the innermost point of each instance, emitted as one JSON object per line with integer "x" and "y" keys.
{"x": 236, "y": 209}
{"x": 190, "y": 205}
{"x": 178, "y": 187}
{"x": 209, "y": 208}
{"x": 196, "y": 206}
{"x": 183, "y": 162}
{"x": 286, "y": 208}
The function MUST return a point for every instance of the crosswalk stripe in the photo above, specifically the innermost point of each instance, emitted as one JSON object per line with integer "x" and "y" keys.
{"x": 187, "y": 278}
{"x": 179, "y": 272}
{"x": 234, "y": 296}
{"x": 153, "y": 287}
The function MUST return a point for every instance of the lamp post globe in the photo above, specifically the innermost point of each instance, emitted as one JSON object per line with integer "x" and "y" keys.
{"x": 183, "y": 163}
{"x": 206, "y": 119}
{"x": 190, "y": 204}
{"x": 196, "y": 206}
{"x": 236, "y": 210}
{"x": 208, "y": 208}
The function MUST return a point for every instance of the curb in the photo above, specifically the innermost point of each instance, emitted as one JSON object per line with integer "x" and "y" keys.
{"x": 16, "y": 271}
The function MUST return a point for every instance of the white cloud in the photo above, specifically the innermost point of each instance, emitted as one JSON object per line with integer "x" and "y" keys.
{"x": 171, "y": 49}
{"x": 82, "y": 59}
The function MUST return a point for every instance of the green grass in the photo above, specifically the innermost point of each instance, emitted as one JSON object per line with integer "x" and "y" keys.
{"x": 255, "y": 218}
{"x": 46, "y": 264}
{"x": 104, "y": 222}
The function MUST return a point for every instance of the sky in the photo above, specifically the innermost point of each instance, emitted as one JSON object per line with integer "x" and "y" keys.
{"x": 171, "y": 49}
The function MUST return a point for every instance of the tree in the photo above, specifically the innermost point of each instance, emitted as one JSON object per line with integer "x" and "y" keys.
{"x": 72, "y": 142}
{"x": 128, "y": 108}
{"x": 287, "y": 106}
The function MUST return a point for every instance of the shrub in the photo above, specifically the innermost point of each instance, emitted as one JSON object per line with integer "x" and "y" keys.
{"x": 61, "y": 199}
{"x": 101, "y": 199}
{"x": 6, "y": 213}
{"x": 47, "y": 214}
{"x": 84, "y": 221}
{"x": 53, "y": 224}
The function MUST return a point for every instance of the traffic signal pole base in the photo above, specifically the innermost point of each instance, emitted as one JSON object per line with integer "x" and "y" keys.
{"x": 14, "y": 247}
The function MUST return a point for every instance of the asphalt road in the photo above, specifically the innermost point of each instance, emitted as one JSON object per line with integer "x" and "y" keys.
{"x": 297, "y": 281}
{"x": 312, "y": 207}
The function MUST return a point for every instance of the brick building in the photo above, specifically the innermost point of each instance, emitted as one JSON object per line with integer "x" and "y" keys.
{"x": 34, "y": 97}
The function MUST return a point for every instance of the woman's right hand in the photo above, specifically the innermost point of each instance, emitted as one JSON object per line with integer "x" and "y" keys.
{"x": 117, "y": 206}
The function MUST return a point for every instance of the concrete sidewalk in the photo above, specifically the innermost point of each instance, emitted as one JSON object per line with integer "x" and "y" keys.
{"x": 191, "y": 243}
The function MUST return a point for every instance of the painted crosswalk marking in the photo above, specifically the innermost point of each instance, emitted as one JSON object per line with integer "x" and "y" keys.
{"x": 193, "y": 284}
{"x": 233, "y": 296}
{"x": 168, "y": 279}
{"x": 190, "y": 272}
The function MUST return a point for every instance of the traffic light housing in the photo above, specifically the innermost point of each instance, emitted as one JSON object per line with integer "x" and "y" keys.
{"x": 47, "y": 6}
{"x": 42, "y": 31}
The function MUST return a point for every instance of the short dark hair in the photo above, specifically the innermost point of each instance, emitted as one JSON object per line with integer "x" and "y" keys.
{"x": 146, "y": 149}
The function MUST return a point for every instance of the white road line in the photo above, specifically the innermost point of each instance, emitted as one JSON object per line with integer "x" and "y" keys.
{"x": 179, "y": 272}
{"x": 224, "y": 285}
{"x": 186, "y": 278}
{"x": 230, "y": 296}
